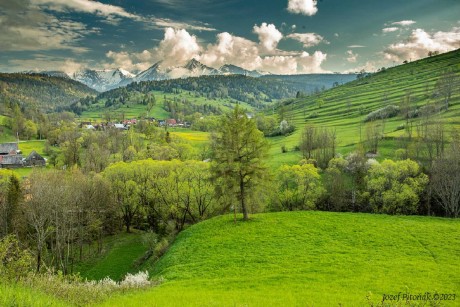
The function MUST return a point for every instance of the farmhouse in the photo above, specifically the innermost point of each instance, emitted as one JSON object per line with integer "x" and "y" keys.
{"x": 34, "y": 159}
{"x": 10, "y": 156}
{"x": 7, "y": 149}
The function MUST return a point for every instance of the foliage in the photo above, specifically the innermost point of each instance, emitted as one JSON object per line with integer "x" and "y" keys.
{"x": 238, "y": 153}
{"x": 395, "y": 187}
{"x": 382, "y": 113}
{"x": 299, "y": 187}
{"x": 15, "y": 262}
{"x": 40, "y": 91}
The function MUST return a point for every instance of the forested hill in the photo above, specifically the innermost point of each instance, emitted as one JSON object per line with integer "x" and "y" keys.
{"x": 241, "y": 88}
{"x": 40, "y": 91}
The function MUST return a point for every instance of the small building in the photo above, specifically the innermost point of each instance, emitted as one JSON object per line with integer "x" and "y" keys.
{"x": 7, "y": 149}
{"x": 34, "y": 159}
{"x": 11, "y": 161}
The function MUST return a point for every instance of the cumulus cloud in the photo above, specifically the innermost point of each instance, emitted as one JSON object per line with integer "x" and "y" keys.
{"x": 305, "y": 7}
{"x": 352, "y": 57}
{"x": 420, "y": 42}
{"x": 269, "y": 36}
{"x": 230, "y": 49}
{"x": 403, "y": 23}
{"x": 307, "y": 39}
{"x": 178, "y": 47}
{"x": 390, "y": 29}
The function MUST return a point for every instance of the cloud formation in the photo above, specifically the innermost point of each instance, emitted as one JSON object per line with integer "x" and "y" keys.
{"x": 25, "y": 27}
{"x": 403, "y": 23}
{"x": 85, "y": 6}
{"x": 390, "y": 29}
{"x": 304, "y": 7}
{"x": 420, "y": 42}
{"x": 169, "y": 23}
{"x": 269, "y": 36}
{"x": 307, "y": 39}
{"x": 178, "y": 47}
{"x": 352, "y": 57}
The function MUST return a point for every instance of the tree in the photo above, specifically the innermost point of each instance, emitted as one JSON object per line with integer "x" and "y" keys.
{"x": 238, "y": 153}
{"x": 299, "y": 187}
{"x": 445, "y": 179}
{"x": 395, "y": 187}
{"x": 10, "y": 193}
{"x": 445, "y": 86}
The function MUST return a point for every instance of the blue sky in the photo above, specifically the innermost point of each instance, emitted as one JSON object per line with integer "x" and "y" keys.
{"x": 279, "y": 36}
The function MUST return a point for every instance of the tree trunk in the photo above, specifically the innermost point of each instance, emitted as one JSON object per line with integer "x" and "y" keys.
{"x": 242, "y": 198}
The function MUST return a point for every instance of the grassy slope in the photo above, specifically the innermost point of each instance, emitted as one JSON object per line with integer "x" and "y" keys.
{"x": 304, "y": 258}
{"x": 15, "y": 295}
{"x": 120, "y": 253}
{"x": 418, "y": 77}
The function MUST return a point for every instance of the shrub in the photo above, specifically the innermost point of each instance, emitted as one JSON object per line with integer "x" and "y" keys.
{"x": 386, "y": 112}
{"x": 15, "y": 262}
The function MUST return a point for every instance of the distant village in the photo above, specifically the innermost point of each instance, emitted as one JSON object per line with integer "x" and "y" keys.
{"x": 11, "y": 157}
{"x": 126, "y": 124}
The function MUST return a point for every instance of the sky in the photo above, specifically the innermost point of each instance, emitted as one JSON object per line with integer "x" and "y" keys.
{"x": 276, "y": 36}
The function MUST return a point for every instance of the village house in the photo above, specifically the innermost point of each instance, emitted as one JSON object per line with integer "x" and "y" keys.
{"x": 10, "y": 156}
{"x": 34, "y": 159}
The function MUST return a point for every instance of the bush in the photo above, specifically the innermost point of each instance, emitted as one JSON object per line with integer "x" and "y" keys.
{"x": 15, "y": 262}
{"x": 386, "y": 112}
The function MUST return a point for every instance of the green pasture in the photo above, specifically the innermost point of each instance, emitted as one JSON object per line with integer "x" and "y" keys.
{"x": 305, "y": 259}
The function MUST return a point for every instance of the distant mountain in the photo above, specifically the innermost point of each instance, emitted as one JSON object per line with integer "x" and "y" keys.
{"x": 104, "y": 80}
{"x": 47, "y": 93}
{"x": 193, "y": 68}
{"x": 153, "y": 73}
{"x": 229, "y": 69}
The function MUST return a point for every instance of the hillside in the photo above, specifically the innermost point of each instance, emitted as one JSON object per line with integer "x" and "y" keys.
{"x": 345, "y": 107}
{"x": 312, "y": 82}
{"x": 304, "y": 258}
{"x": 44, "y": 92}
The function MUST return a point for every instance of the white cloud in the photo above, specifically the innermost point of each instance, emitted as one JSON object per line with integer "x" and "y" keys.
{"x": 403, "y": 23}
{"x": 42, "y": 63}
{"x": 307, "y": 39}
{"x": 420, "y": 42}
{"x": 269, "y": 36}
{"x": 356, "y": 46}
{"x": 390, "y": 29}
{"x": 352, "y": 57}
{"x": 305, "y": 7}
{"x": 336, "y": 34}
{"x": 178, "y": 47}
{"x": 230, "y": 49}
{"x": 169, "y": 23}
{"x": 86, "y": 6}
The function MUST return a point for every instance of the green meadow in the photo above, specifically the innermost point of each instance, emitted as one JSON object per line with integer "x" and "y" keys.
{"x": 304, "y": 259}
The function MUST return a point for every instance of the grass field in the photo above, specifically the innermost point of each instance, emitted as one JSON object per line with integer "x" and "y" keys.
{"x": 305, "y": 259}
{"x": 16, "y": 295}
{"x": 118, "y": 257}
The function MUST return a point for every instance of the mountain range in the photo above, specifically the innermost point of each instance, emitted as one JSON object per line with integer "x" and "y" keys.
{"x": 107, "y": 79}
